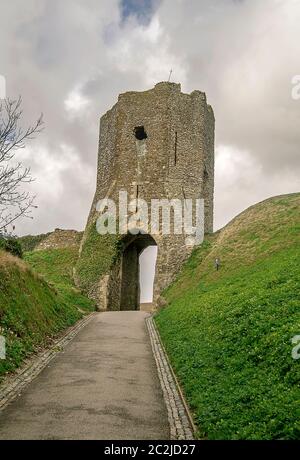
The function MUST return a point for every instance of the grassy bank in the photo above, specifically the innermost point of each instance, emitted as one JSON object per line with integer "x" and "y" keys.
{"x": 37, "y": 301}
{"x": 56, "y": 266}
{"x": 228, "y": 333}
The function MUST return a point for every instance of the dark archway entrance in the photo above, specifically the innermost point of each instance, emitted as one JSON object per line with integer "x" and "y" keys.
{"x": 130, "y": 283}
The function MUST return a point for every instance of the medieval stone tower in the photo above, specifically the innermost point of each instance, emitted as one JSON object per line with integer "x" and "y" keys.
{"x": 157, "y": 144}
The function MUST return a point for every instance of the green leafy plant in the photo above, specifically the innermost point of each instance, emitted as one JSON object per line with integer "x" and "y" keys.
{"x": 228, "y": 332}
{"x": 11, "y": 245}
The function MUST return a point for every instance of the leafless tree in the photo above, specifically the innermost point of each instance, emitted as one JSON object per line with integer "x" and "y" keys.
{"x": 14, "y": 201}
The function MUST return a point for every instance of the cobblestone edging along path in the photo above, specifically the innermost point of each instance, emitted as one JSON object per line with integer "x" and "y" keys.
{"x": 180, "y": 420}
{"x": 13, "y": 385}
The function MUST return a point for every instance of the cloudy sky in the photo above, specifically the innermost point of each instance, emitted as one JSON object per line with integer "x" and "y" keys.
{"x": 70, "y": 59}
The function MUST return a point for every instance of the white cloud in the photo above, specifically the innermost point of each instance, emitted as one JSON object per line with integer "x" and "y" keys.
{"x": 75, "y": 101}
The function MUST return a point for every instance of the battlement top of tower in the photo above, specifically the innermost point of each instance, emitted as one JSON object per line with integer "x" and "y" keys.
{"x": 168, "y": 85}
{"x": 161, "y": 88}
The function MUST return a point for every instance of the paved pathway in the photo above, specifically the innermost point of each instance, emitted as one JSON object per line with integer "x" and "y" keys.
{"x": 103, "y": 386}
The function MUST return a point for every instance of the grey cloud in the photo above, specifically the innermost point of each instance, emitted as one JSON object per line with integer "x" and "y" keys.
{"x": 243, "y": 54}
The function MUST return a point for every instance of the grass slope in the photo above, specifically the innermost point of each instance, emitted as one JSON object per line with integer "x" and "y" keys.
{"x": 228, "y": 333}
{"x": 31, "y": 312}
{"x": 37, "y": 302}
{"x": 56, "y": 265}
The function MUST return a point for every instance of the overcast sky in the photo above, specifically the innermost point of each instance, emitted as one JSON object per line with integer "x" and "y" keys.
{"x": 70, "y": 59}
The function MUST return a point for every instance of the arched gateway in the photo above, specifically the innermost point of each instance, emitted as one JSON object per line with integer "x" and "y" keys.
{"x": 154, "y": 145}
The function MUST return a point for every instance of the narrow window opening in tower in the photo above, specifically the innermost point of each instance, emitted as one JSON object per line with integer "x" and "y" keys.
{"x": 137, "y": 197}
{"x": 140, "y": 133}
{"x": 175, "y": 149}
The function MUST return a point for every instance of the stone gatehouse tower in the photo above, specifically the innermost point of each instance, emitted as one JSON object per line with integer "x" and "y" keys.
{"x": 153, "y": 144}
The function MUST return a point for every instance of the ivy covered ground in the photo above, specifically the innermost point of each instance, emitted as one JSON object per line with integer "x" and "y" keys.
{"x": 228, "y": 332}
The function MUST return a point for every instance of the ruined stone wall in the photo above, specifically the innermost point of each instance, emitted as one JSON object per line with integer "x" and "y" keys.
{"x": 175, "y": 160}
{"x": 60, "y": 239}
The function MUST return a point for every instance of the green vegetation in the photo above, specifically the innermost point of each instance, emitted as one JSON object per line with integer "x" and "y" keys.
{"x": 29, "y": 242}
{"x": 56, "y": 265}
{"x": 11, "y": 245}
{"x": 99, "y": 253}
{"x": 228, "y": 332}
{"x": 37, "y": 302}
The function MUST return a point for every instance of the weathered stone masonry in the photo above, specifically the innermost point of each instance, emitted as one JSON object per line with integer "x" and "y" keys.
{"x": 153, "y": 144}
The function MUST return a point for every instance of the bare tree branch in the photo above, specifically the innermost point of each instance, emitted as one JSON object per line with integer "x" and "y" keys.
{"x": 14, "y": 202}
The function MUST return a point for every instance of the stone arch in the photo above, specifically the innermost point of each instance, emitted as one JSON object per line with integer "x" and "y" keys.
{"x": 134, "y": 245}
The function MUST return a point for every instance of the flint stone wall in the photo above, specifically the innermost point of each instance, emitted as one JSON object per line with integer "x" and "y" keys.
{"x": 176, "y": 160}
